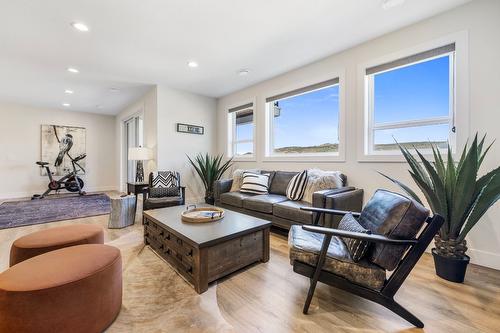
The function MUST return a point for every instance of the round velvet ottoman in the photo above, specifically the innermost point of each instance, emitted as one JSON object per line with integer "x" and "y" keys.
{"x": 74, "y": 289}
{"x": 54, "y": 238}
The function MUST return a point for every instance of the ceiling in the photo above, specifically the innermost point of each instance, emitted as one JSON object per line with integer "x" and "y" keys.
{"x": 133, "y": 44}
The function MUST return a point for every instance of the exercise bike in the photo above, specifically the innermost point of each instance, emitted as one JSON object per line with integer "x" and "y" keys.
{"x": 70, "y": 182}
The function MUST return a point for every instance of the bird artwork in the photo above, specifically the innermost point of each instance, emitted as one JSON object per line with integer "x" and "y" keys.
{"x": 64, "y": 147}
{"x": 60, "y": 146}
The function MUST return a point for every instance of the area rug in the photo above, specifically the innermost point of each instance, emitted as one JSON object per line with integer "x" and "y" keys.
{"x": 21, "y": 213}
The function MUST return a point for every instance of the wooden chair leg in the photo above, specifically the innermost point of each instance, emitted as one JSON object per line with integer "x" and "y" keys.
{"x": 405, "y": 314}
{"x": 317, "y": 271}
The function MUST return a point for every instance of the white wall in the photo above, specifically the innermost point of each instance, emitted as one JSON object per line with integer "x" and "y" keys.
{"x": 147, "y": 106}
{"x": 481, "y": 20}
{"x": 20, "y": 148}
{"x": 174, "y": 107}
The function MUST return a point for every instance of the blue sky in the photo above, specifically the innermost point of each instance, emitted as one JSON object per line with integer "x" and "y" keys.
{"x": 408, "y": 93}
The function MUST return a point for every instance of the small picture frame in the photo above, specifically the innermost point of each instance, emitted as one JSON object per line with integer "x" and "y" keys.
{"x": 191, "y": 129}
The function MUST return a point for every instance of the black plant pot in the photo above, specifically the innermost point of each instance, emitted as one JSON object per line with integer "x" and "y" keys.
{"x": 449, "y": 268}
{"x": 210, "y": 200}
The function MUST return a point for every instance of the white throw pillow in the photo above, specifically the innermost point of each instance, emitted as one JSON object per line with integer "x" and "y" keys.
{"x": 238, "y": 178}
{"x": 254, "y": 183}
{"x": 318, "y": 180}
{"x": 296, "y": 186}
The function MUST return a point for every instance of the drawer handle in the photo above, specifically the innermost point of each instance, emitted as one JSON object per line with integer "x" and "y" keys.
{"x": 161, "y": 233}
{"x": 189, "y": 269}
{"x": 168, "y": 251}
{"x": 190, "y": 253}
{"x": 168, "y": 236}
{"x": 161, "y": 247}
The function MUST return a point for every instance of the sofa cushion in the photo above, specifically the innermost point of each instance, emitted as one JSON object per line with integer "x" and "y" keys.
{"x": 290, "y": 210}
{"x": 238, "y": 178}
{"x": 263, "y": 203}
{"x": 318, "y": 180}
{"x": 234, "y": 198}
{"x": 305, "y": 247}
{"x": 280, "y": 182}
{"x": 395, "y": 216}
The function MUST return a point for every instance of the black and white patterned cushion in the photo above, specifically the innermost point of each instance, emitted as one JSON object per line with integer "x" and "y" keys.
{"x": 164, "y": 184}
{"x": 297, "y": 186}
{"x": 357, "y": 248}
{"x": 253, "y": 183}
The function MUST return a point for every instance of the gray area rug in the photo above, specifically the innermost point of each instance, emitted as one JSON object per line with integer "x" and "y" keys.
{"x": 21, "y": 213}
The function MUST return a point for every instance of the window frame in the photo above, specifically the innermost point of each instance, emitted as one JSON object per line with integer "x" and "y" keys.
{"x": 339, "y": 156}
{"x": 231, "y": 138}
{"x": 457, "y": 117}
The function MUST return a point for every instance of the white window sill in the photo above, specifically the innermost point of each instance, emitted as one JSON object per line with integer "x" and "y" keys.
{"x": 397, "y": 157}
{"x": 244, "y": 159}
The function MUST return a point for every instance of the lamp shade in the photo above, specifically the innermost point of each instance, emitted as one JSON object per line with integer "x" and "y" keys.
{"x": 139, "y": 154}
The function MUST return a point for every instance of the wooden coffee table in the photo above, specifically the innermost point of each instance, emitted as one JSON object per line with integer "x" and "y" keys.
{"x": 204, "y": 252}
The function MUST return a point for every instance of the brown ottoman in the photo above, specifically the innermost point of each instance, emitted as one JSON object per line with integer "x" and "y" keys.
{"x": 75, "y": 289}
{"x": 54, "y": 238}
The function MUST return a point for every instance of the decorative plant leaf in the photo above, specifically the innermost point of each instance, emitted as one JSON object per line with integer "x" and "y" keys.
{"x": 209, "y": 169}
{"x": 405, "y": 188}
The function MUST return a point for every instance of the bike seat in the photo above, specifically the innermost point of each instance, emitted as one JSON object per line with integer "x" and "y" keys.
{"x": 40, "y": 163}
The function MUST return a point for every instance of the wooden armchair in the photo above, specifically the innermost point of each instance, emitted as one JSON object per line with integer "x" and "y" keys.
{"x": 394, "y": 220}
{"x": 164, "y": 190}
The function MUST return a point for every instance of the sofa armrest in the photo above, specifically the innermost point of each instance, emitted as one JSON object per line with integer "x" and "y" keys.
{"x": 221, "y": 186}
{"x": 319, "y": 199}
{"x": 351, "y": 201}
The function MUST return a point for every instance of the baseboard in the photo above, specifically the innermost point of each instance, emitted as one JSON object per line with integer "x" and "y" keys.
{"x": 28, "y": 194}
{"x": 484, "y": 258}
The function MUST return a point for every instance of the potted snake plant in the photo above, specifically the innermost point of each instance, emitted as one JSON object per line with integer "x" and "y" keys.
{"x": 457, "y": 193}
{"x": 210, "y": 169}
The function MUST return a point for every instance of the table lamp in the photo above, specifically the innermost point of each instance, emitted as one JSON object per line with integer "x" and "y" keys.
{"x": 139, "y": 154}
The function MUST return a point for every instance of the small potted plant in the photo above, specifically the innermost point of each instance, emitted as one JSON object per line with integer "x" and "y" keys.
{"x": 456, "y": 192}
{"x": 210, "y": 169}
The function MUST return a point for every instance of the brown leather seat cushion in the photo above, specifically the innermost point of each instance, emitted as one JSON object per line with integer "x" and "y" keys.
{"x": 74, "y": 289}
{"x": 54, "y": 238}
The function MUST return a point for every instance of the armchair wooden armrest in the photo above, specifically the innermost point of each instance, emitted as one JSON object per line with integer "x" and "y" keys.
{"x": 358, "y": 235}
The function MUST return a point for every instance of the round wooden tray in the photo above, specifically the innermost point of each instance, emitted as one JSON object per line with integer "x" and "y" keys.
{"x": 202, "y": 214}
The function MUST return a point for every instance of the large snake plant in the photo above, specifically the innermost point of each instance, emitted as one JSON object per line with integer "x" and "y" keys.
{"x": 210, "y": 169}
{"x": 454, "y": 191}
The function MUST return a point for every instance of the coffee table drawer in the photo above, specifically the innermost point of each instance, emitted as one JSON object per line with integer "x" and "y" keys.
{"x": 234, "y": 254}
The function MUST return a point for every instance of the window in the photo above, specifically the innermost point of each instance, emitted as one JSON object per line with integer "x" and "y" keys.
{"x": 411, "y": 101}
{"x": 304, "y": 121}
{"x": 241, "y": 120}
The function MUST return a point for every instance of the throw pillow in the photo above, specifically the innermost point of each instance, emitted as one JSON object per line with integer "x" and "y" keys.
{"x": 296, "y": 187}
{"x": 318, "y": 180}
{"x": 356, "y": 247}
{"x": 238, "y": 178}
{"x": 253, "y": 183}
{"x": 164, "y": 184}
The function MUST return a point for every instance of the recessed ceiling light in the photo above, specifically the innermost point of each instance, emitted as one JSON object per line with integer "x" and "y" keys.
{"x": 72, "y": 70}
{"x": 243, "y": 72}
{"x": 68, "y": 91}
{"x": 80, "y": 26}
{"x": 114, "y": 90}
{"x": 66, "y": 104}
{"x": 192, "y": 64}
{"x": 387, "y": 4}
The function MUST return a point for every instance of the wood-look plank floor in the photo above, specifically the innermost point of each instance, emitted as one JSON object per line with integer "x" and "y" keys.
{"x": 269, "y": 297}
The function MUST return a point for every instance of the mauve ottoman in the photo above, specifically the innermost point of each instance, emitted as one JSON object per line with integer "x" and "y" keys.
{"x": 53, "y": 239}
{"x": 76, "y": 289}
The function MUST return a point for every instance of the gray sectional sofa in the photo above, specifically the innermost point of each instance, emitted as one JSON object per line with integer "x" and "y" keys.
{"x": 282, "y": 212}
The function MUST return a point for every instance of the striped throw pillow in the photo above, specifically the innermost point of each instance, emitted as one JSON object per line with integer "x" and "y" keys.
{"x": 356, "y": 247}
{"x": 253, "y": 183}
{"x": 297, "y": 186}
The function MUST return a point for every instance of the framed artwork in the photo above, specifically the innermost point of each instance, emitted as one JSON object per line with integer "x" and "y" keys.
{"x": 191, "y": 129}
{"x": 59, "y": 145}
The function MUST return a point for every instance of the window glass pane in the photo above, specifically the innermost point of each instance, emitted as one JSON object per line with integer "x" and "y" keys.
{"x": 307, "y": 123}
{"x": 245, "y": 148}
{"x": 417, "y": 91}
{"x": 419, "y": 137}
{"x": 244, "y": 125}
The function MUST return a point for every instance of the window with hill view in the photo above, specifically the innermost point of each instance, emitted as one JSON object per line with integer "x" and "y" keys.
{"x": 242, "y": 124}
{"x": 411, "y": 101}
{"x": 305, "y": 121}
